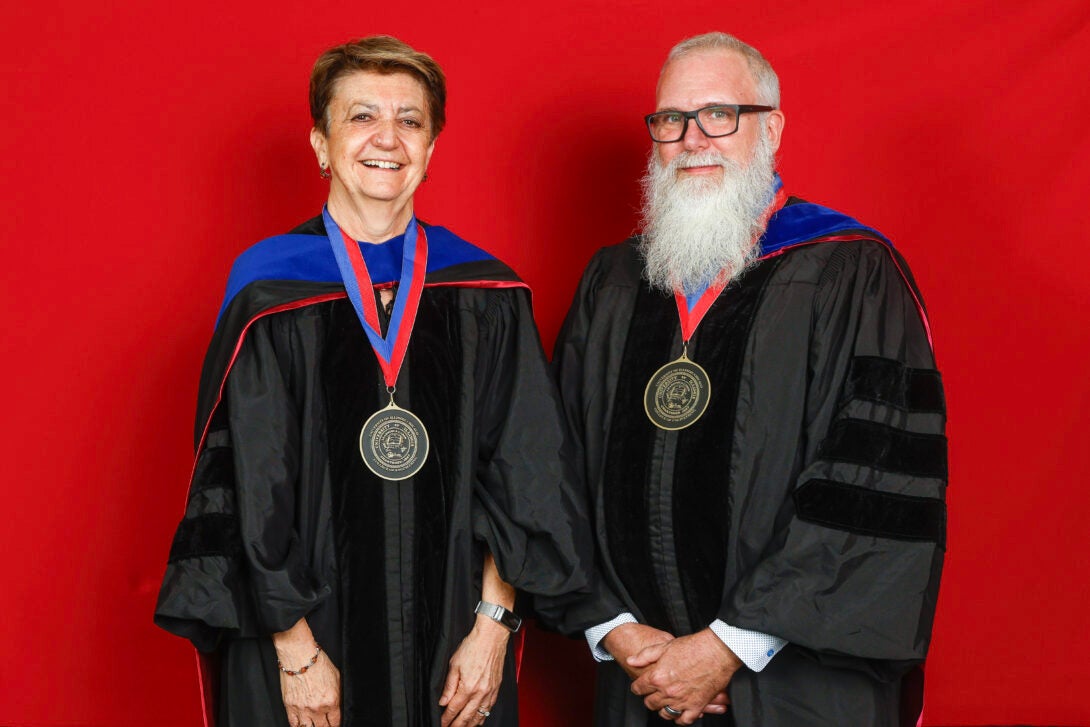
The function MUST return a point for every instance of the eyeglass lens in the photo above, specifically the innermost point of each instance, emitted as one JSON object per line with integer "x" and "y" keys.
{"x": 713, "y": 121}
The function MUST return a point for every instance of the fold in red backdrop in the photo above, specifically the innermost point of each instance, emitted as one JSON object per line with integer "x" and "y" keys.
{"x": 146, "y": 144}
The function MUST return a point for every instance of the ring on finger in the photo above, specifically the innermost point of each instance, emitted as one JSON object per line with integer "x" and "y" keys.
{"x": 671, "y": 712}
{"x": 483, "y": 711}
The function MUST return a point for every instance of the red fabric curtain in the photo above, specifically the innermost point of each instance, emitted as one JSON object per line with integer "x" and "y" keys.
{"x": 146, "y": 145}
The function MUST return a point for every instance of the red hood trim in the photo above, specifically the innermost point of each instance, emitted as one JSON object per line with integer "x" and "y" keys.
{"x": 490, "y": 284}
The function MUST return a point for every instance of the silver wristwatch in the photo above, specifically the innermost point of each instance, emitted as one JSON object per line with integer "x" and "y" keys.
{"x": 500, "y": 615}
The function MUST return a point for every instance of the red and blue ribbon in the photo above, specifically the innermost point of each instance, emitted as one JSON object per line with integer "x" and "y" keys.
{"x": 390, "y": 350}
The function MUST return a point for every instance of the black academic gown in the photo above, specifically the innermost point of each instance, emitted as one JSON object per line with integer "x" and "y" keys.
{"x": 806, "y": 503}
{"x": 284, "y": 521}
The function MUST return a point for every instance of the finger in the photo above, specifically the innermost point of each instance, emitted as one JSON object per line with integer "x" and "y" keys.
{"x": 688, "y": 716}
{"x": 478, "y": 694}
{"x": 655, "y": 702}
{"x": 465, "y": 718}
{"x": 718, "y": 704}
{"x": 647, "y": 656}
{"x": 455, "y": 706}
{"x": 493, "y": 691}
{"x": 642, "y": 686}
{"x": 450, "y": 687}
{"x": 647, "y": 683}
{"x": 473, "y": 715}
{"x": 333, "y": 717}
{"x": 478, "y": 714}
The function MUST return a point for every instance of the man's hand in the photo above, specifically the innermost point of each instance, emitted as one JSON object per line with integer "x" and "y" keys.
{"x": 630, "y": 639}
{"x": 686, "y": 674}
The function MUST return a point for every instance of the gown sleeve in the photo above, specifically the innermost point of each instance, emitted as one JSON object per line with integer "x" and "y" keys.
{"x": 264, "y": 394}
{"x": 570, "y": 369}
{"x": 237, "y": 564}
{"x": 854, "y": 564}
{"x": 529, "y": 507}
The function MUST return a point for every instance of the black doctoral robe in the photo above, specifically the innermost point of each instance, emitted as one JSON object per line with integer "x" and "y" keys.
{"x": 284, "y": 521}
{"x": 806, "y": 503}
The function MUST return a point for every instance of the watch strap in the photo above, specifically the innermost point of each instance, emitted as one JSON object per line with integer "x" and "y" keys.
{"x": 508, "y": 619}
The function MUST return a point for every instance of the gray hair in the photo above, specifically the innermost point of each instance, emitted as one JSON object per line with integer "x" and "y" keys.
{"x": 768, "y": 84}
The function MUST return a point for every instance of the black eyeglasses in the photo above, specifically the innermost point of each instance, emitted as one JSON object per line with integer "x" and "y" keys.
{"x": 714, "y": 121}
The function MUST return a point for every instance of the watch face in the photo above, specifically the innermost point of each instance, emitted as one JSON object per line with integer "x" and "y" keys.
{"x": 510, "y": 620}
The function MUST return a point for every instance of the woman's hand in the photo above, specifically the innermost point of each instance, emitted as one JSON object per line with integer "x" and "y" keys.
{"x": 476, "y": 670}
{"x": 312, "y": 698}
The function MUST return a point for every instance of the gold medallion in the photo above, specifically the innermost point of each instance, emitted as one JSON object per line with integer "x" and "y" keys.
{"x": 677, "y": 395}
{"x": 394, "y": 443}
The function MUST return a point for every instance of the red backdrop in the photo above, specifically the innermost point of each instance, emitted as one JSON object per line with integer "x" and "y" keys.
{"x": 144, "y": 147}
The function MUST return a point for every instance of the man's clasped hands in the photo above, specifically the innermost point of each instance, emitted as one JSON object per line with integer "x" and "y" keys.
{"x": 687, "y": 674}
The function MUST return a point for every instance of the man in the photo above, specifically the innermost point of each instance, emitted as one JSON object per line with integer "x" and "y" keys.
{"x": 761, "y": 422}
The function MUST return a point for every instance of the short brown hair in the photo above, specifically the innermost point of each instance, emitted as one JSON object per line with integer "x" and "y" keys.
{"x": 377, "y": 54}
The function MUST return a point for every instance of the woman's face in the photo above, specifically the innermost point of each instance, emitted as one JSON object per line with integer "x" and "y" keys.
{"x": 379, "y": 140}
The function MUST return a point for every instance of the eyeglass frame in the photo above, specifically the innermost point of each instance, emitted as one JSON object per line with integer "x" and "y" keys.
{"x": 739, "y": 109}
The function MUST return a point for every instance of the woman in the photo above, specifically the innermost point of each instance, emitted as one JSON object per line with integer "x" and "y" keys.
{"x": 379, "y": 457}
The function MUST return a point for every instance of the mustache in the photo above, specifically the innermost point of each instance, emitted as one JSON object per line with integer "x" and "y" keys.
{"x": 695, "y": 227}
{"x": 706, "y": 158}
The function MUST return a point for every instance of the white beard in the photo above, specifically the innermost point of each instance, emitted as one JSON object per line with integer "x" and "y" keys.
{"x": 697, "y": 230}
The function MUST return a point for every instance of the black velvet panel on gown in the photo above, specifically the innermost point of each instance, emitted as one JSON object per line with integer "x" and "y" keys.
{"x": 679, "y": 479}
{"x": 354, "y": 391}
{"x": 628, "y": 464}
{"x": 702, "y": 498}
{"x": 376, "y": 525}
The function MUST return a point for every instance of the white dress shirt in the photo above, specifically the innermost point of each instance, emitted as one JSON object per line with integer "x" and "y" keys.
{"x": 754, "y": 648}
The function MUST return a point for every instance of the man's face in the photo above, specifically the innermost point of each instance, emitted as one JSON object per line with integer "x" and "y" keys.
{"x": 706, "y": 78}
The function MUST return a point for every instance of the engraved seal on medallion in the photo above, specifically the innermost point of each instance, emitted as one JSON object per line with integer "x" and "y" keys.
{"x": 677, "y": 395}
{"x": 394, "y": 444}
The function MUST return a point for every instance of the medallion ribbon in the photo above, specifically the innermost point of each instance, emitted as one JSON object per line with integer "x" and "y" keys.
{"x": 390, "y": 350}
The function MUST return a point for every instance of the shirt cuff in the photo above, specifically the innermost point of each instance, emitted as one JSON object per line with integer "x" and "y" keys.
{"x": 595, "y": 634}
{"x": 752, "y": 647}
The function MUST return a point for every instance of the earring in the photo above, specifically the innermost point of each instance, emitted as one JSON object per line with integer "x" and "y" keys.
{"x": 323, "y": 172}
{"x": 425, "y": 177}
